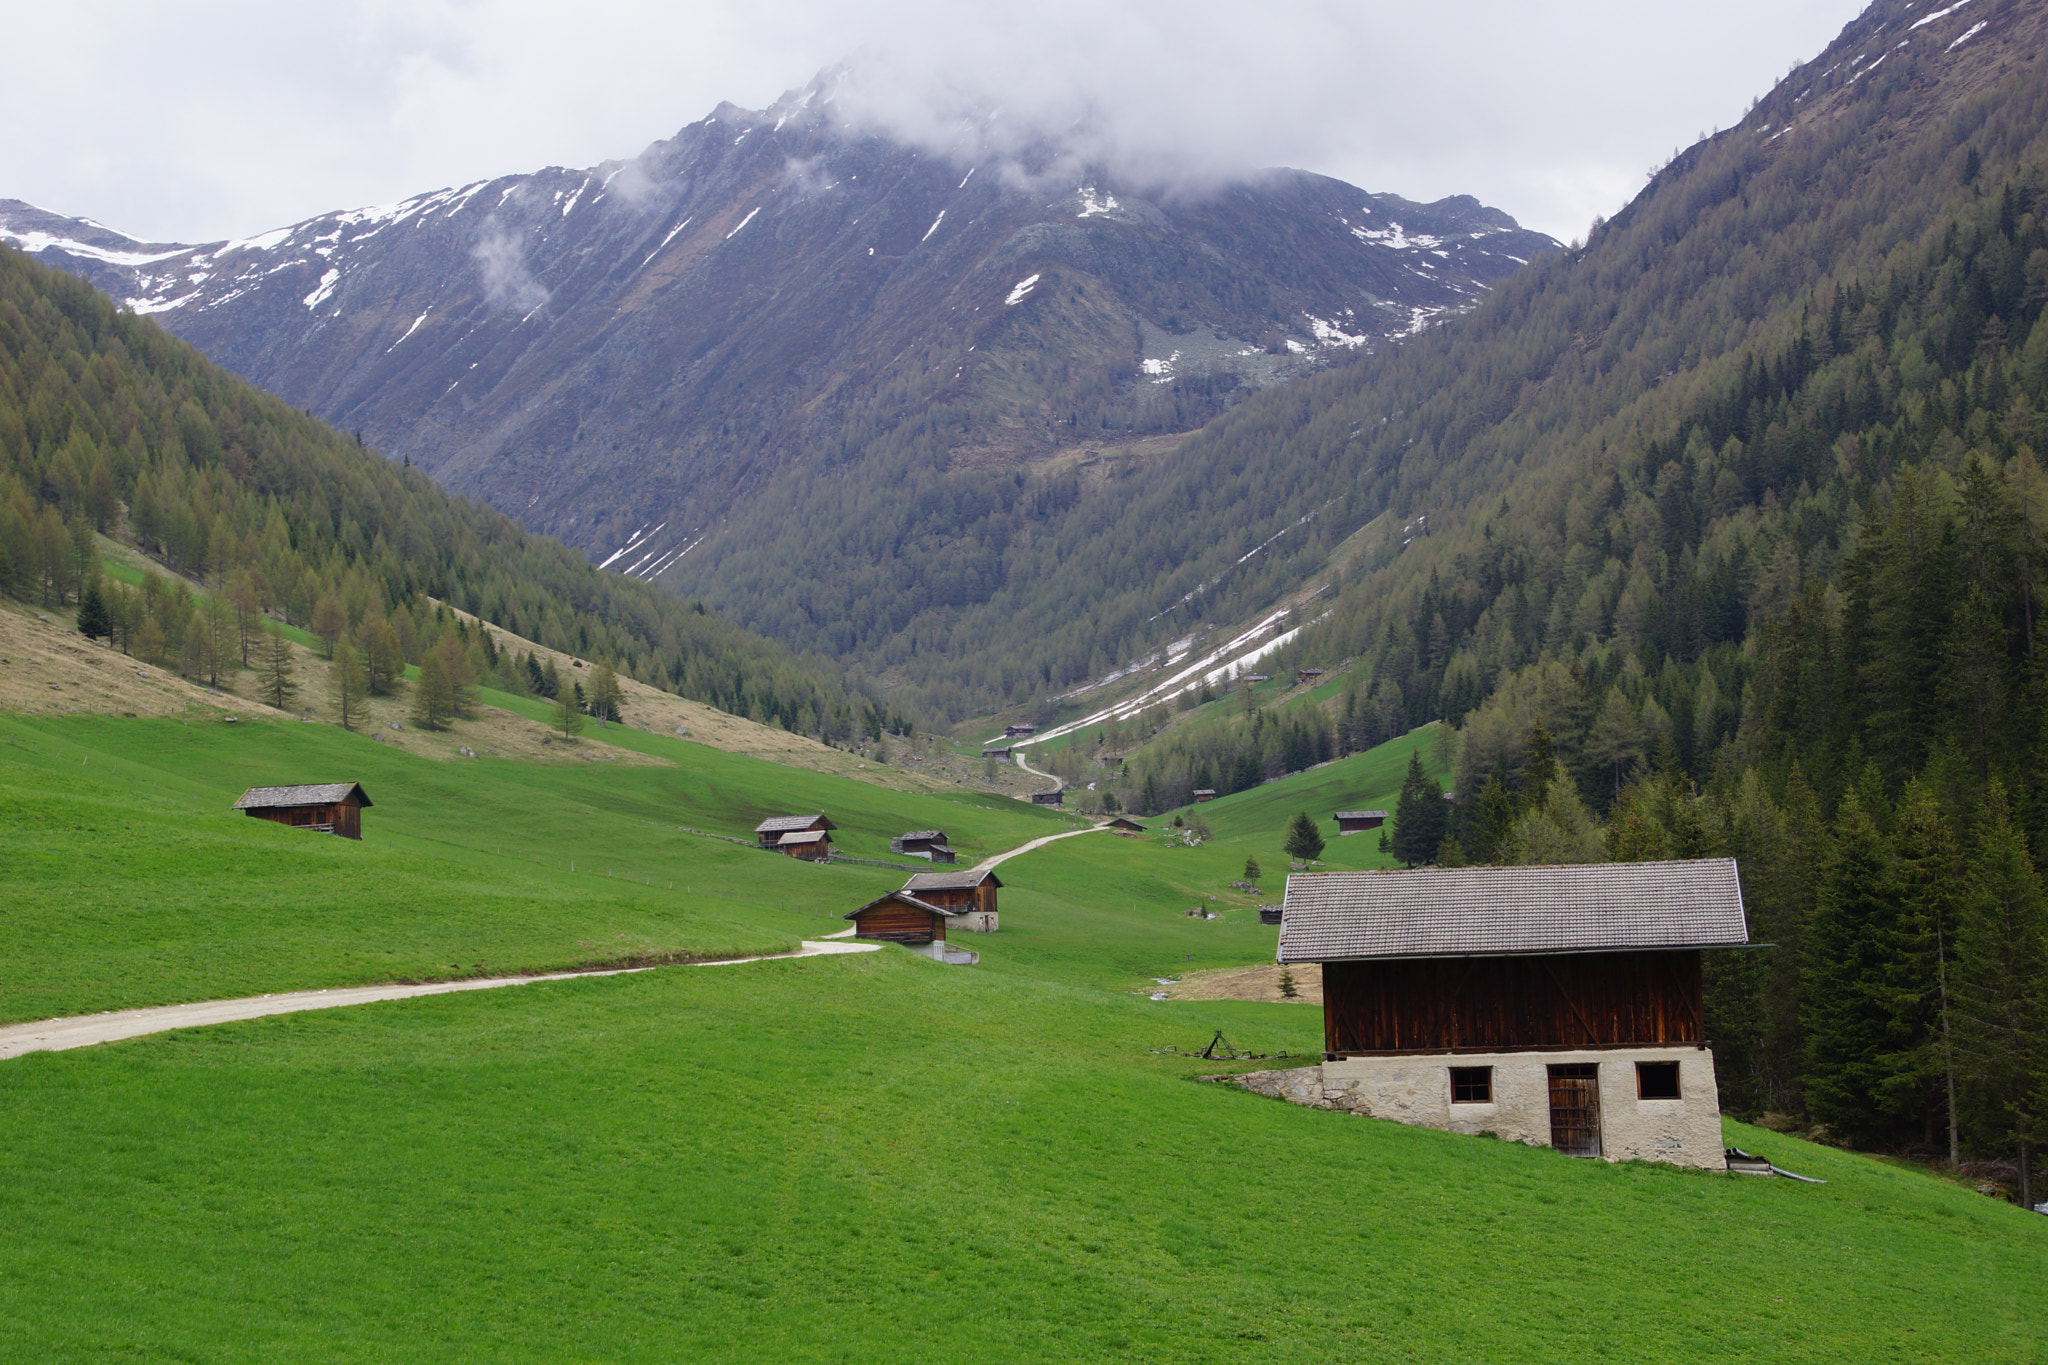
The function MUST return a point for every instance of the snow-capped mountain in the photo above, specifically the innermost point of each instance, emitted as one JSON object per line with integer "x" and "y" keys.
{"x": 648, "y": 355}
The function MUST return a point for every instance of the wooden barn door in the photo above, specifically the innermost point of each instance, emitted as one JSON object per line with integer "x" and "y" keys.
{"x": 1575, "y": 1109}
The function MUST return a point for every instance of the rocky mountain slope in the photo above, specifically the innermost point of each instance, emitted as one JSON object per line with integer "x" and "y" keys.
{"x": 627, "y": 356}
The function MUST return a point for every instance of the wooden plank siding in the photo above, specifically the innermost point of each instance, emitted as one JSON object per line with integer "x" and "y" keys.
{"x": 1505, "y": 1004}
{"x": 899, "y": 923}
{"x": 346, "y": 818}
{"x": 982, "y": 897}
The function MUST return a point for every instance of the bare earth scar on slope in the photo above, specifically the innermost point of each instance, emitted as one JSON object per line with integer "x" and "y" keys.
{"x": 1248, "y": 983}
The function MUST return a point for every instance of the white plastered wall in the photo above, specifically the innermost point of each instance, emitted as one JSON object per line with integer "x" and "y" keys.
{"x": 1417, "y": 1089}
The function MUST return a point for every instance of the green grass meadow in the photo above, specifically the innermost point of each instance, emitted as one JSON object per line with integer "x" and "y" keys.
{"x": 854, "y": 1158}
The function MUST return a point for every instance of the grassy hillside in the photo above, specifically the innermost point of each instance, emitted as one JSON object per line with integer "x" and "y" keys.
{"x": 130, "y": 882}
{"x": 880, "y": 1159}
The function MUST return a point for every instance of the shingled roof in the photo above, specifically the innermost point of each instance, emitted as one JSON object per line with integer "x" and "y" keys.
{"x": 782, "y": 824}
{"x": 1497, "y": 911}
{"x": 1360, "y": 815}
{"x": 950, "y": 881}
{"x": 318, "y": 794}
{"x": 907, "y": 899}
{"x": 802, "y": 836}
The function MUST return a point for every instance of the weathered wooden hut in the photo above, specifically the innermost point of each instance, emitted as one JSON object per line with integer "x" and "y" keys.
{"x": 970, "y": 895}
{"x": 1052, "y": 798}
{"x": 923, "y": 843}
{"x": 918, "y": 924}
{"x": 1307, "y": 675}
{"x": 995, "y": 753}
{"x": 812, "y": 845}
{"x": 329, "y": 807}
{"x": 1557, "y": 1006}
{"x": 1127, "y": 826}
{"x": 1205, "y": 794}
{"x": 771, "y": 830}
{"x": 1359, "y": 821}
{"x": 1013, "y": 731}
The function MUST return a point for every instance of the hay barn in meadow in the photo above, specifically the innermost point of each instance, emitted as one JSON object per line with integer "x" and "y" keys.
{"x": 1359, "y": 821}
{"x": 1558, "y": 1006}
{"x": 774, "y": 831}
{"x": 329, "y": 808}
{"x": 918, "y": 924}
{"x": 923, "y": 843}
{"x": 969, "y": 895}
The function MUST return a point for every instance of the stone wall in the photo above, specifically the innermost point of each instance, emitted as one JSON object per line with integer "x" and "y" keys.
{"x": 1417, "y": 1090}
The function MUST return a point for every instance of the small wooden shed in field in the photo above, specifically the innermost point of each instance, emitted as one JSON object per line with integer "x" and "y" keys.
{"x": 901, "y": 917}
{"x": 1205, "y": 793}
{"x": 1013, "y": 731}
{"x": 329, "y": 808}
{"x": 1124, "y": 825}
{"x": 1558, "y": 1006}
{"x": 771, "y": 830}
{"x": 1052, "y": 798}
{"x": 812, "y": 845}
{"x": 969, "y": 895}
{"x": 995, "y": 753}
{"x": 1359, "y": 821}
{"x": 1307, "y": 675}
{"x": 923, "y": 843}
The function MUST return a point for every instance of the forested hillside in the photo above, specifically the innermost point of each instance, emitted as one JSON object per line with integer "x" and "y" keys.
{"x": 1725, "y": 532}
{"x": 108, "y": 425}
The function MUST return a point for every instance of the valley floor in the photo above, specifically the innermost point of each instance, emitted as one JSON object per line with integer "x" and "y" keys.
{"x": 835, "y": 1158}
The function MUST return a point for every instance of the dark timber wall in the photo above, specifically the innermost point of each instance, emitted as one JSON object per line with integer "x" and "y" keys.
{"x": 1498, "y": 1004}
{"x": 899, "y": 923}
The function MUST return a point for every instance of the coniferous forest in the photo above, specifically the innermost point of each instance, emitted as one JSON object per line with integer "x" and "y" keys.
{"x": 108, "y": 426}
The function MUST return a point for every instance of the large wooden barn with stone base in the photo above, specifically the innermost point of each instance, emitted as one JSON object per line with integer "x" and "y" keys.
{"x": 800, "y": 836}
{"x": 970, "y": 895}
{"x": 327, "y": 808}
{"x": 918, "y": 924}
{"x": 1558, "y": 1006}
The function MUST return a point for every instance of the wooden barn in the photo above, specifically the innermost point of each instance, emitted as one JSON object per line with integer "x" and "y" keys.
{"x": 1558, "y": 1006}
{"x": 1052, "y": 798}
{"x": 995, "y": 753}
{"x": 771, "y": 830}
{"x": 1013, "y": 731}
{"x": 1123, "y": 825}
{"x": 812, "y": 845}
{"x": 969, "y": 895}
{"x": 923, "y": 843}
{"x": 1205, "y": 794}
{"x": 1307, "y": 675}
{"x": 1359, "y": 821}
{"x": 916, "y": 923}
{"x": 329, "y": 808}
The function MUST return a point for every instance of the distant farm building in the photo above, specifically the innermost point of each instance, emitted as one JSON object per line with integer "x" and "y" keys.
{"x": 1111, "y": 760}
{"x": 923, "y": 843}
{"x": 1053, "y": 798}
{"x": 1307, "y": 675}
{"x": 1359, "y": 821}
{"x": 914, "y": 922}
{"x": 995, "y": 753}
{"x": 1557, "y": 1006}
{"x": 970, "y": 896}
{"x": 771, "y": 830}
{"x": 812, "y": 845}
{"x": 1013, "y": 731}
{"x": 328, "y": 808}
{"x": 1258, "y": 677}
{"x": 1205, "y": 793}
{"x": 1127, "y": 826}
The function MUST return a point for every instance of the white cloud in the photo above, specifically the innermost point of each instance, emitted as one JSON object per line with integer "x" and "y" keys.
{"x": 216, "y": 118}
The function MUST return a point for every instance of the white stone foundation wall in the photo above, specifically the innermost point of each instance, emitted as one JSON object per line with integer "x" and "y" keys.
{"x": 1417, "y": 1089}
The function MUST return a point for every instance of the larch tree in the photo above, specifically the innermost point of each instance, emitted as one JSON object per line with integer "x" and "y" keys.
{"x": 350, "y": 685}
{"x": 280, "y": 688}
{"x": 1419, "y": 816}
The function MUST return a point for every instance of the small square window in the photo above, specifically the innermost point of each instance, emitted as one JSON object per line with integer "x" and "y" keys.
{"x": 1657, "y": 1080}
{"x": 1471, "y": 1085}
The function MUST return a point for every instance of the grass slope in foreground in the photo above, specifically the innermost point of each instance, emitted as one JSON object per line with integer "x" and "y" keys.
{"x": 881, "y": 1159}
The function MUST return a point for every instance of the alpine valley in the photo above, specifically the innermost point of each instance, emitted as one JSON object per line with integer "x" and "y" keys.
{"x": 819, "y": 378}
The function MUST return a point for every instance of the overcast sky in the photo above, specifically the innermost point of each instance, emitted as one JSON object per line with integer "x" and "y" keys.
{"x": 216, "y": 118}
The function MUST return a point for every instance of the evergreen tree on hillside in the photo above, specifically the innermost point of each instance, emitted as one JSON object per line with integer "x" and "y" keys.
{"x": 1920, "y": 1038}
{"x": 433, "y": 700}
{"x": 567, "y": 714}
{"x": 280, "y": 689}
{"x": 606, "y": 700}
{"x": 93, "y": 622}
{"x": 350, "y": 686}
{"x": 1304, "y": 840}
{"x": 2002, "y": 985}
{"x": 1419, "y": 815}
{"x": 1848, "y": 1014}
